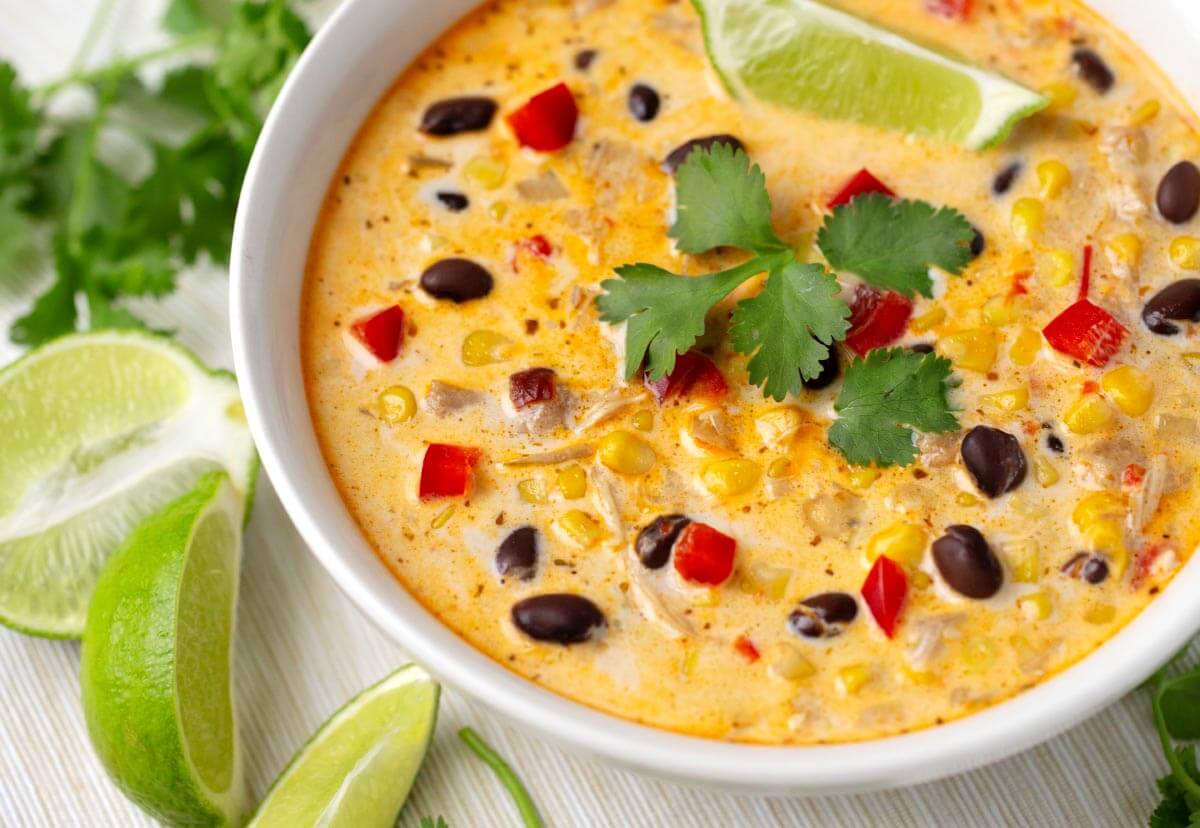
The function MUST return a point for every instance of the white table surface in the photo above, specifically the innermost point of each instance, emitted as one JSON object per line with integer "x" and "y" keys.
{"x": 303, "y": 649}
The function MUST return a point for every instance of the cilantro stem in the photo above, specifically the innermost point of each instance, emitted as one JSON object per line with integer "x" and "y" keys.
{"x": 88, "y": 41}
{"x": 1160, "y": 723}
{"x": 123, "y": 66}
{"x": 508, "y": 778}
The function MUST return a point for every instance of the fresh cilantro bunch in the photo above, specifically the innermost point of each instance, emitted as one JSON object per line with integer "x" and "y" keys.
{"x": 1176, "y": 706}
{"x": 112, "y": 235}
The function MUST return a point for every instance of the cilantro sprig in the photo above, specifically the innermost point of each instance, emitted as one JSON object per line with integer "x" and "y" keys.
{"x": 63, "y": 184}
{"x": 1176, "y": 708}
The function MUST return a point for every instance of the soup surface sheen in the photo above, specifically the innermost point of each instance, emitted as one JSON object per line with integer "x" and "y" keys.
{"x": 724, "y": 661}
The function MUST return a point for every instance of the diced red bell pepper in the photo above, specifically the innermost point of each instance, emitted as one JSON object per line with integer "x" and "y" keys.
{"x": 746, "y": 647}
{"x": 547, "y": 120}
{"x": 877, "y": 318}
{"x": 537, "y": 385}
{"x": 693, "y": 374}
{"x": 448, "y": 471}
{"x": 952, "y": 9}
{"x": 1087, "y": 332}
{"x": 538, "y": 245}
{"x": 862, "y": 182}
{"x": 703, "y": 555}
{"x": 884, "y": 592}
{"x": 1132, "y": 476}
{"x": 1144, "y": 563}
{"x": 382, "y": 334}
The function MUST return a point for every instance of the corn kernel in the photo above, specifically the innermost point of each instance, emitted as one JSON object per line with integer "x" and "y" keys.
{"x": 780, "y": 467}
{"x": 498, "y": 210}
{"x": 791, "y": 665}
{"x": 1088, "y": 414}
{"x": 779, "y": 425}
{"x": 764, "y": 579}
{"x": 534, "y": 491}
{"x": 851, "y": 678}
{"x": 1056, "y": 267}
{"x": 1060, "y": 93}
{"x": 1052, "y": 176}
{"x": 1028, "y": 217}
{"x": 1036, "y": 606}
{"x": 902, "y": 542}
{"x": 920, "y": 580}
{"x": 1130, "y": 389}
{"x": 1145, "y": 113}
{"x": 864, "y": 476}
{"x": 930, "y": 319}
{"x": 485, "y": 171}
{"x": 1100, "y": 614}
{"x": 979, "y": 654}
{"x": 973, "y": 349}
{"x": 966, "y": 499}
{"x": 999, "y": 311}
{"x": 485, "y": 347}
{"x": 1025, "y": 560}
{"x": 443, "y": 517}
{"x": 706, "y": 598}
{"x": 1025, "y": 347}
{"x": 579, "y": 528}
{"x": 732, "y": 477}
{"x": 622, "y": 452}
{"x": 396, "y": 404}
{"x": 643, "y": 420}
{"x": 1044, "y": 472}
{"x": 1185, "y": 252}
{"x": 1098, "y": 506}
{"x": 572, "y": 482}
{"x": 1014, "y": 399}
{"x": 916, "y": 676}
{"x": 1126, "y": 248}
{"x": 1108, "y": 537}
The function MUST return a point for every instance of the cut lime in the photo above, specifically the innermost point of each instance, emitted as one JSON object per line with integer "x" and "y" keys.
{"x": 805, "y": 55}
{"x": 97, "y": 431}
{"x": 156, "y": 670}
{"x": 358, "y": 768}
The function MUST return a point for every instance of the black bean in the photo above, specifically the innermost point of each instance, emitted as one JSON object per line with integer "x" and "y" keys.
{"x": 994, "y": 459}
{"x": 830, "y": 371}
{"x": 1178, "y": 300}
{"x": 454, "y": 115}
{"x": 824, "y": 615}
{"x": 1055, "y": 444}
{"x": 643, "y": 102}
{"x": 560, "y": 617}
{"x": 678, "y": 155}
{"x": 454, "y": 202}
{"x": 977, "y": 243}
{"x": 1093, "y": 70}
{"x": 1086, "y": 567}
{"x": 654, "y": 543}
{"x": 1005, "y": 178}
{"x": 921, "y": 348}
{"x": 1178, "y": 195}
{"x": 458, "y": 280}
{"x": 966, "y": 563}
{"x": 516, "y": 557}
{"x": 584, "y": 58}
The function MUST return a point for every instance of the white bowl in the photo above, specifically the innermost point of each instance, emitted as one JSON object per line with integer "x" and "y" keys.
{"x": 350, "y": 64}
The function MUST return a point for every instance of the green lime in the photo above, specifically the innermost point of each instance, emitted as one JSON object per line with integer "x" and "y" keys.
{"x": 157, "y": 660}
{"x": 98, "y": 431}
{"x": 358, "y": 768}
{"x": 806, "y": 55}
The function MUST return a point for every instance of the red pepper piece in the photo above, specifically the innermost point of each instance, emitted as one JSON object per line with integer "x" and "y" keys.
{"x": 538, "y": 245}
{"x": 877, "y": 318}
{"x": 862, "y": 182}
{"x": 693, "y": 374}
{"x": 1132, "y": 476}
{"x": 1144, "y": 563}
{"x": 952, "y": 9}
{"x": 536, "y": 385}
{"x": 448, "y": 471}
{"x": 884, "y": 592}
{"x": 703, "y": 555}
{"x": 547, "y": 120}
{"x": 1085, "y": 330}
{"x": 746, "y": 647}
{"x": 382, "y": 334}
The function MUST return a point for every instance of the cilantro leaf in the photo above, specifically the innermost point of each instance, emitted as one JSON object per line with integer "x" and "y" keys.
{"x": 892, "y": 243}
{"x": 722, "y": 201}
{"x": 788, "y": 327}
{"x": 664, "y": 312}
{"x": 1179, "y": 700}
{"x": 1179, "y": 808}
{"x": 184, "y": 17}
{"x": 884, "y": 398}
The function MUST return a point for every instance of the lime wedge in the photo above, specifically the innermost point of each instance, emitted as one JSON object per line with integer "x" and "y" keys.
{"x": 358, "y": 768}
{"x": 806, "y": 55}
{"x": 157, "y": 660}
{"x": 98, "y": 431}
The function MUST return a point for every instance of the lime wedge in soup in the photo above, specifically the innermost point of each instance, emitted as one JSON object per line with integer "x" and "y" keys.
{"x": 806, "y": 55}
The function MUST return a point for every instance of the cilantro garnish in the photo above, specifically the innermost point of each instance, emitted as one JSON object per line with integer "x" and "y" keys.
{"x": 892, "y": 243}
{"x": 115, "y": 237}
{"x": 884, "y": 397}
{"x": 508, "y": 778}
{"x": 1176, "y": 708}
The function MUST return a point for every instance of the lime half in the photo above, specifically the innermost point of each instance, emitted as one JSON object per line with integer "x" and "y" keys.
{"x": 359, "y": 766}
{"x": 98, "y": 431}
{"x": 806, "y": 55}
{"x": 157, "y": 661}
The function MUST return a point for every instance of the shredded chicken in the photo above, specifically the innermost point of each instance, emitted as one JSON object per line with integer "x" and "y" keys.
{"x": 604, "y": 498}
{"x": 420, "y": 163}
{"x": 444, "y": 398}
{"x": 925, "y": 637}
{"x": 543, "y": 417}
{"x": 834, "y": 514}
{"x": 710, "y": 431}
{"x": 650, "y": 604}
{"x": 611, "y": 403}
{"x": 937, "y": 450}
{"x": 1149, "y": 494}
{"x": 545, "y": 187}
{"x": 552, "y": 457}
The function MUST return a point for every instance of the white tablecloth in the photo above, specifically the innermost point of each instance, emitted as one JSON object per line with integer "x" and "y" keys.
{"x": 303, "y": 649}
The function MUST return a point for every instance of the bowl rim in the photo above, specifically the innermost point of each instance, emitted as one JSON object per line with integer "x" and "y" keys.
{"x": 1027, "y": 718}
